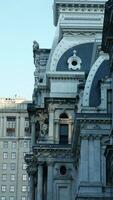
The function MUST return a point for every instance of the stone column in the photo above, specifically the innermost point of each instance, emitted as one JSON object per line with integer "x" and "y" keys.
{"x": 97, "y": 158}
{"x": 50, "y": 181}
{"x": 40, "y": 182}
{"x": 32, "y": 188}
{"x": 56, "y": 131}
{"x": 51, "y": 124}
{"x": 17, "y": 127}
{"x": 32, "y": 131}
{"x": 70, "y": 132}
{"x": 91, "y": 159}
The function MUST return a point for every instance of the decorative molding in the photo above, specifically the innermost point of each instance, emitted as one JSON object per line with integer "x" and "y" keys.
{"x": 86, "y": 96}
{"x": 90, "y": 137}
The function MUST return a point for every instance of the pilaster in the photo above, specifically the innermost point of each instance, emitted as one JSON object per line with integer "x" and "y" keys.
{"x": 50, "y": 181}
{"x": 84, "y": 161}
{"x": 40, "y": 181}
{"x": 32, "y": 131}
{"x": 51, "y": 123}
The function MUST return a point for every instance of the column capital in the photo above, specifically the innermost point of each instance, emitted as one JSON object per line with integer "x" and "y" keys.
{"x": 40, "y": 163}
{"x": 32, "y": 119}
{"x": 51, "y": 108}
{"x": 50, "y": 163}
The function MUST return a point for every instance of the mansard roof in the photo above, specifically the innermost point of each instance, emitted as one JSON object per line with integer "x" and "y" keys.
{"x": 87, "y": 52}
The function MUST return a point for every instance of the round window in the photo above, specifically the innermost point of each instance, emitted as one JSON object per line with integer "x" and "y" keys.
{"x": 74, "y": 62}
{"x": 63, "y": 170}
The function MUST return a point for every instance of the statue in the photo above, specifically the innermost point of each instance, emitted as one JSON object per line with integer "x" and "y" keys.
{"x": 35, "y": 49}
{"x": 35, "y": 45}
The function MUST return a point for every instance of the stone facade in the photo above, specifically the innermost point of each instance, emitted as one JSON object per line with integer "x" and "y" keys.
{"x": 71, "y": 113}
{"x": 14, "y": 144}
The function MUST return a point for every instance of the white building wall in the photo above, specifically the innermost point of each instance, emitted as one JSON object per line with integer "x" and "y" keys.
{"x": 14, "y": 182}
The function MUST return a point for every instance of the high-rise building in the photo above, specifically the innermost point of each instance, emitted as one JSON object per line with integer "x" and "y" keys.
{"x": 14, "y": 144}
{"x": 71, "y": 113}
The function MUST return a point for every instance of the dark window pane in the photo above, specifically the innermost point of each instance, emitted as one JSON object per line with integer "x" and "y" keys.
{"x": 63, "y": 133}
{"x": 109, "y": 101}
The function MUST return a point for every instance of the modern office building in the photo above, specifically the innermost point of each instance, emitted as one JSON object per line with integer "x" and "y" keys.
{"x": 14, "y": 144}
{"x": 71, "y": 113}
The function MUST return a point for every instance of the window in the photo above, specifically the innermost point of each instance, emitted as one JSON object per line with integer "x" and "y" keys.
{"x": 13, "y": 145}
{"x": 24, "y": 166}
{"x": 12, "y": 188}
{"x": 24, "y": 154}
{"x": 3, "y": 188}
{"x": 4, "y": 166}
{"x": 4, "y": 177}
{"x": 25, "y": 144}
{"x": 12, "y": 177}
{"x": 28, "y": 188}
{"x": 63, "y": 129}
{"x": 11, "y": 198}
{"x": 13, "y": 155}
{"x": 3, "y": 198}
{"x": 109, "y": 101}
{"x": 10, "y": 126}
{"x": 5, "y": 155}
{"x": 13, "y": 166}
{"x": 24, "y": 188}
{"x": 5, "y": 145}
{"x": 26, "y": 126}
{"x": 24, "y": 177}
{"x": 23, "y": 198}
{"x": 63, "y": 133}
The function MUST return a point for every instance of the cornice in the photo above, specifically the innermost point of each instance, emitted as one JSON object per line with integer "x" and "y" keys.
{"x": 66, "y": 5}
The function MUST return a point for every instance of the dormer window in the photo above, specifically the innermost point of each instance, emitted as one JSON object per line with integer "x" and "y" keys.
{"x": 74, "y": 62}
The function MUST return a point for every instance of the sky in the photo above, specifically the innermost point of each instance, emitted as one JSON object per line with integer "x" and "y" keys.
{"x": 22, "y": 22}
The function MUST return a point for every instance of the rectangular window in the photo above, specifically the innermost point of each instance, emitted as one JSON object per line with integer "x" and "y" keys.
{"x": 4, "y": 177}
{"x": 24, "y": 177}
{"x": 24, "y": 166}
{"x": 3, "y": 188}
{"x": 11, "y": 126}
{"x": 13, "y": 166}
{"x": 13, "y": 145}
{"x": 23, "y": 198}
{"x": 109, "y": 101}
{"x": 13, "y": 155}
{"x": 63, "y": 134}
{"x": 5, "y": 155}
{"x": 12, "y": 177}
{"x": 12, "y": 188}
{"x": 3, "y": 198}
{"x": 24, "y": 188}
{"x": 26, "y": 129}
{"x": 5, "y": 145}
{"x": 11, "y": 198}
{"x": 4, "y": 166}
{"x": 25, "y": 144}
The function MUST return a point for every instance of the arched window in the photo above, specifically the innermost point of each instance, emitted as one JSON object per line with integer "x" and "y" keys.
{"x": 63, "y": 129}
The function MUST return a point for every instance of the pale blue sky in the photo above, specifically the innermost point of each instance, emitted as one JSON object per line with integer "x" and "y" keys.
{"x": 21, "y": 22}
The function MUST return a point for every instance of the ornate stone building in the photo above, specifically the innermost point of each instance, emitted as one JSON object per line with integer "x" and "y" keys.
{"x": 71, "y": 113}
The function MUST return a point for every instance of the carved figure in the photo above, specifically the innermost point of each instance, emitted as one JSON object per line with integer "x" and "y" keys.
{"x": 35, "y": 45}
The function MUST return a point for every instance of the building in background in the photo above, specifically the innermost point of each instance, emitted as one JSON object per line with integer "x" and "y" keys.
{"x": 14, "y": 144}
{"x": 71, "y": 112}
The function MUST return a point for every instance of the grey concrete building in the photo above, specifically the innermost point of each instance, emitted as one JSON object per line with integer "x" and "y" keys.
{"x": 71, "y": 113}
{"x": 14, "y": 144}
